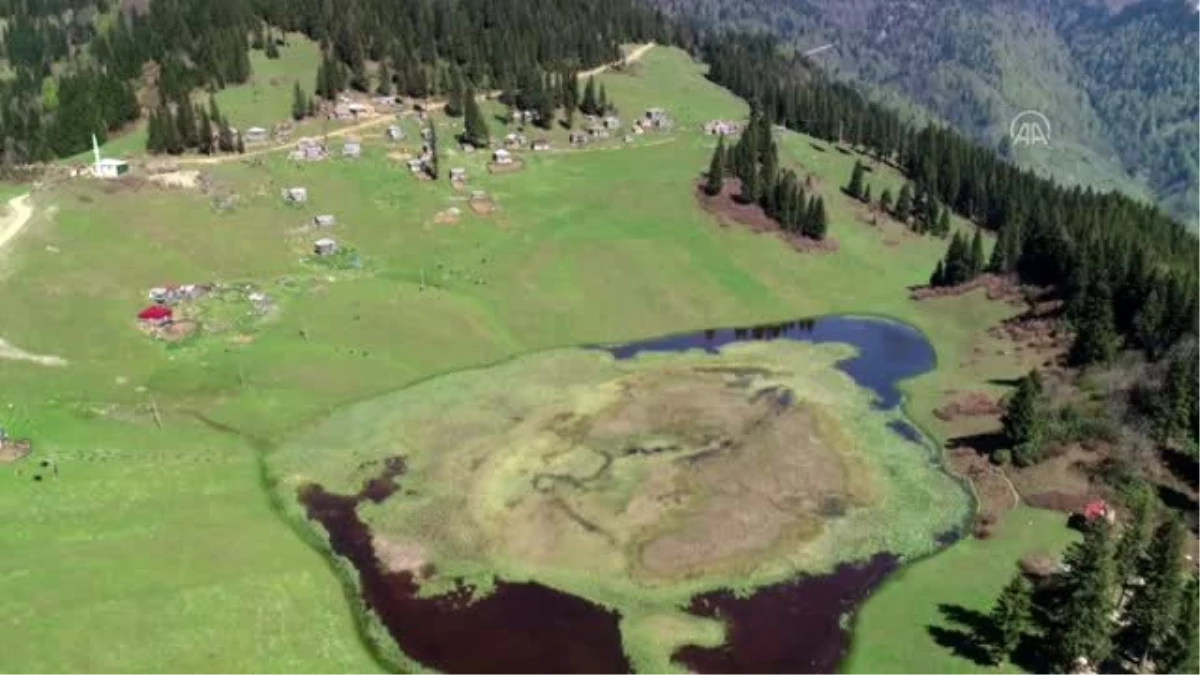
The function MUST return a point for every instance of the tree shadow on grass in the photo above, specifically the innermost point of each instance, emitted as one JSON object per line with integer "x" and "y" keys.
{"x": 1010, "y": 382}
{"x": 964, "y": 638}
{"x": 984, "y": 443}
{"x": 1183, "y": 466}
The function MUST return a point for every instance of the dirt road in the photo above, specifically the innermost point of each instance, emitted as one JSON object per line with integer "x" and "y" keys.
{"x": 20, "y": 211}
{"x": 633, "y": 55}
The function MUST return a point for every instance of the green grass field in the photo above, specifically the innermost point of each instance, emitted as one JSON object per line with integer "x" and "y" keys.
{"x": 893, "y": 630}
{"x": 188, "y": 564}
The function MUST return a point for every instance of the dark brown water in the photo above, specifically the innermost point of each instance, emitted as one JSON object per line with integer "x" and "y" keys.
{"x": 791, "y": 627}
{"x": 518, "y": 628}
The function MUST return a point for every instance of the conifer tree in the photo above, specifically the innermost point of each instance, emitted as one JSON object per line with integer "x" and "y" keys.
{"x": 153, "y": 134}
{"x": 904, "y": 203}
{"x": 299, "y": 104}
{"x": 1009, "y": 619}
{"x": 818, "y": 222}
{"x": 750, "y": 191}
{"x": 716, "y": 170}
{"x": 241, "y": 146}
{"x": 1136, "y": 531}
{"x": 1079, "y": 624}
{"x": 206, "y": 132}
{"x": 172, "y": 143}
{"x": 855, "y": 187}
{"x": 866, "y": 195}
{"x": 431, "y": 167}
{"x": 1175, "y": 413}
{"x": 1096, "y": 338}
{"x": 589, "y": 105}
{"x": 456, "y": 101}
{"x": 1179, "y": 651}
{"x": 602, "y": 102}
{"x": 475, "y": 127}
{"x": 885, "y": 201}
{"x": 272, "y": 47}
{"x": 938, "y": 277}
{"x": 1023, "y": 420}
{"x": 185, "y": 120}
{"x": 943, "y": 229}
{"x": 225, "y": 136}
{"x": 385, "y": 79}
{"x": 977, "y": 256}
{"x": 1153, "y": 607}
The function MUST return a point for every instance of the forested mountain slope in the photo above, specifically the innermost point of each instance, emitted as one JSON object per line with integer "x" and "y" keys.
{"x": 1120, "y": 89}
{"x": 80, "y": 67}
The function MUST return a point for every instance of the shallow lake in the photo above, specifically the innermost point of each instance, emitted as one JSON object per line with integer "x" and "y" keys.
{"x": 888, "y": 351}
{"x": 794, "y": 626}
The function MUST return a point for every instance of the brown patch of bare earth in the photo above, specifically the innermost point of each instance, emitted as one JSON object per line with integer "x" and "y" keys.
{"x": 993, "y": 492}
{"x": 12, "y": 450}
{"x": 727, "y": 210}
{"x": 1063, "y": 481}
{"x": 1002, "y": 288}
{"x": 482, "y": 205}
{"x": 399, "y": 556}
{"x": 974, "y": 404}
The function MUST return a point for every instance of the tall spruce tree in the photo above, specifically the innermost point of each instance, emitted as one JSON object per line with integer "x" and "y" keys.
{"x": 1080, "y": 624}
{"x": 1009, "y": 620}
{"x": 1153, "y": 606}
{"x": 474, "y": 125}
{"x": 716, "y": 170}
{"x": 818, "y": 220}
{"x": 1096, "y": 337}
{"x": 299, "y": 103}
{"x": 1024, "y": 421}
{"x": 589, "y": 105}
{"x": 855, "y": 187}
{"x": 904, "y": 203}
{"x": 206, "y": 132}
{"x": 885, "y": 200}
{"x": 978, "y": 260}
{"x": 1136, "y": 530}
{"x": 1180, "y": 650}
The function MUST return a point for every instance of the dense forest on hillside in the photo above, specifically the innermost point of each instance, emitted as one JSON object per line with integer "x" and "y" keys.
{"x": 1126, "y": 271}
{"x": 1122, "y": 90}
{"x": 76, "y": 63}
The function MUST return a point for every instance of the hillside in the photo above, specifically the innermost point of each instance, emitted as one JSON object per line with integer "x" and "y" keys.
{"x": 1120, "y": 89}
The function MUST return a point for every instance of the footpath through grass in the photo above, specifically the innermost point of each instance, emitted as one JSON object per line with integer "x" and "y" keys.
{"x": 187, "y": 565}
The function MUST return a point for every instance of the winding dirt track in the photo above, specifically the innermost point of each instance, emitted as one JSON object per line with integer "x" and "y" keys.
{"x": 20, "y": 211}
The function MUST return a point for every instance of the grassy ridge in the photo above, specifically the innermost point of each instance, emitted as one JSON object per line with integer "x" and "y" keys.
{"x": 601, "y": 245}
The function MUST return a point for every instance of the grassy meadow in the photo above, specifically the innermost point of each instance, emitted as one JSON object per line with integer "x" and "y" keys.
{"x": 160, "y": 493}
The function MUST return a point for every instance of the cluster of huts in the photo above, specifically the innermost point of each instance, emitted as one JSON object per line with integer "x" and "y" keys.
{"x": 160, "y": 312}
{"x": 308, "y": 150}
{"x": 598, "y": 128}
{"x": 722, "y": 127}
{"x": 12, "y": 449}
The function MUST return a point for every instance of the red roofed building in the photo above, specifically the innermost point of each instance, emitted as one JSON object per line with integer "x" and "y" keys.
{"x": 1098, "y": 509}
{"x": 156, "y": 314}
